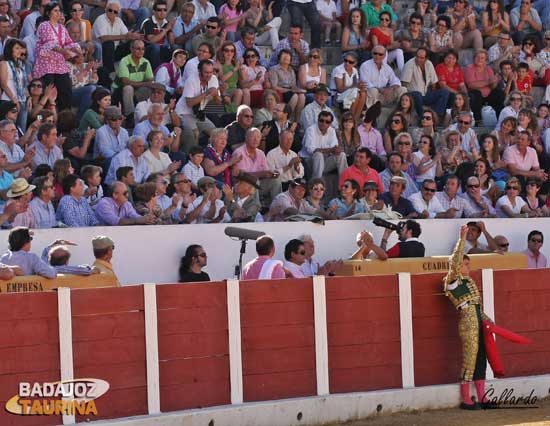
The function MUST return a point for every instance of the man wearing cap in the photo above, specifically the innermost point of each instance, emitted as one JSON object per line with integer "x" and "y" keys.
{"x": 21, "y": 193}
{"x": 207, "y": 208}
{"x": 46, "y": 149}
{"x": 472, "y": 244}
{"x": 240, "y": 202}
{"x": 41, "y": 205}
{"x": 116, "y": 210}
{"x": 285, "y": 161}
{"x": 310, "y": 113}
{"x": 111, "y": 138}
{"x": 424, "y": 202}
{"x": 131, "y": 156}
{"x": 480, "y": 205}
{"x": 155, "y": 115}
{"x": 19, "y": 255}
{"x": 360, "y": 171}
{"x": 393, "y": 168}
{"x": 290, "y": 202}
{"x": 103, "y": 252}
{"x": 253, "y": 161}
{"x": 157, "y": 97}
{"x": 394, "y": 199}
{"x": 264, "y": 267}
{"x": 321, "y": 148}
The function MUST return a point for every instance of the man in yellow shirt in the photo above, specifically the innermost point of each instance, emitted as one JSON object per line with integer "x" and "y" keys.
{"x": 103, "y": 251}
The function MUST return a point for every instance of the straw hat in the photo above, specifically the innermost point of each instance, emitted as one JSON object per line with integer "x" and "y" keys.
{"x": 19, "y": 187}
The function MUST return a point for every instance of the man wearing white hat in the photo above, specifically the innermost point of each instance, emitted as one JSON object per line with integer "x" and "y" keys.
{"x": 21, "y": 192}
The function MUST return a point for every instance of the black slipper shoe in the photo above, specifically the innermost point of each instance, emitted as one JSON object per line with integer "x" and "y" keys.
{"x": 473, "y": 406}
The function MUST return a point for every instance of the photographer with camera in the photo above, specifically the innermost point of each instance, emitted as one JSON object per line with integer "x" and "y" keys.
{"x": 408, "y": 233}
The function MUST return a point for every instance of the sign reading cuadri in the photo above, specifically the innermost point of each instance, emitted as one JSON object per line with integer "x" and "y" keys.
{"x": 67, "y": 397}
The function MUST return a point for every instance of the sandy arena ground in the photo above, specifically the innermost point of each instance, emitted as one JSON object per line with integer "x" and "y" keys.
{"x": 455, "y": 417}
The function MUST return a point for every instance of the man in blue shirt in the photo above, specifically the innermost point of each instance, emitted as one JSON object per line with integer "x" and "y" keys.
{"x": 111, "y": 138}
{"x": 74, "y": 209}
{"x": 20, "y": 257}
{"x": 41, "y": 205}
{"x": 131, "y": 156}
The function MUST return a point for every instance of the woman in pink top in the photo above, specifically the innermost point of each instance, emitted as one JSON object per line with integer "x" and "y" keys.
{"x": 232, "y": 15}
{"x": 53, "y": 47}
{"x": 482, "y": 85}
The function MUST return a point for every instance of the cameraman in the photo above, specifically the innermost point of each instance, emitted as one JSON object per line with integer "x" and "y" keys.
{"x": 408, "y": 245}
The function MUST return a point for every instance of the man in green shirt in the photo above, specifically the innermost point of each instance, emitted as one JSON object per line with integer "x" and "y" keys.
{"x": 134, "y": 78}
{"x": 372, "y": 11}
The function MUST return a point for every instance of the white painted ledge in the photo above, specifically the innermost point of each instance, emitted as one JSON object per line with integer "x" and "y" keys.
{"x": 331, "y": 408}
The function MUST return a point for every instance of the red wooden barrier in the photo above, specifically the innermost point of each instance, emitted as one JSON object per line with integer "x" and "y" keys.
{"x": 278, "y": 339}
{"x": 109, "y": 344}
{"x": 522, "y": 304}
{"x": 437, "y": 351}
{"x": 364, "y": 350}
{"x": 193, "y": 345}
{"x": 29, "y": 349}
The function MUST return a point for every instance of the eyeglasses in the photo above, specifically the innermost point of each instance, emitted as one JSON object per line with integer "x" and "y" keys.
{"x": 76, "y": 10}
{"x": 125, "y": 193}
{"x": 424, "y": 142}
{"x": 113, "y": 11}
{"x": 427, "y": 117}
{"x": 212, "y": 27}
{"x": 229, "y": 49}
{"x": 533, "y": 184}
{"x": 248, "y": 115}
{"x": 202, "y": 255}
{"x": 504, "y": 38}
{"x": 473, "y": 186}
{"x": 385, "y": 19}
{"x": 348, "y": 120}
{"x": 346, "y": 185}
{"x": 36, "y": 85}
{"x": 303, "y": 252}
{"x": 13, "y": 110}
{"x": 182, "y": 181}
{"x": 504, "y": 245}
{"x": 318, "y": 189}
{"x": 416, "y": 23}
{"x": 47, "y": 187}
{"x": 349, "y": 61}
{"x": 162, "y": 10}
{"x": 115, "y": 118}
{"x": 370, "y": 189}
{"x": 513, "y": 188}
{"x": 250, "y": 56}
{"x": 325, "y": 121}
{"x": 429, "y": 189}
{"x": 314, "y": 56}
{"x": 529, "y": 43}
{"x": 464, "y": 122}
{"x": 378, "y": 54}
{"x": 442, "y": 24}
{"x": 403, "y": 143}
{"x": 396, "y": 121}
{"x": 536, "y": 240}
{"x": 515, "y": 99}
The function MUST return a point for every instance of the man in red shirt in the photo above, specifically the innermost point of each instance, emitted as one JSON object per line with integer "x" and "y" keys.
{"x": 360, "y": 170}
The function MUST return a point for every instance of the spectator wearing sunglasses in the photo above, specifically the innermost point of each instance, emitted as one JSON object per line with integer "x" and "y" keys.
{"x": 295, "y": 256}
{"x": 480, "y": 205}
{"x": 511, "y": 204}
{"x": 211, "y": 35}
{"x": 502, "y": 244}
{"x": 424, "y": 202}
{"x": 191, "y": 265}
{"x": 470, "y": 145}
{"x": 535, "y": 259}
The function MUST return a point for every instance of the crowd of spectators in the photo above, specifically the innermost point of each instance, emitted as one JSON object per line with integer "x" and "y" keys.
{"x": 161, "y": 112}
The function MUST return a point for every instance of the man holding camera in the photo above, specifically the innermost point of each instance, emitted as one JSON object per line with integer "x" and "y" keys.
{"x": 408, "y": 233}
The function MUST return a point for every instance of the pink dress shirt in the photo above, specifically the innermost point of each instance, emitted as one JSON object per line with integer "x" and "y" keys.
{"x": 251, "y": 271}
{"x": 249, "y": 164}
{"x": 48, "y": 61}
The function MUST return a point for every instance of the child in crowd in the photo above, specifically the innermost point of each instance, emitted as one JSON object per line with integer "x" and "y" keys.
{"x": 91, "y": 175}
{"x": 524, "y": 83}
{"x": 193, "y": 169}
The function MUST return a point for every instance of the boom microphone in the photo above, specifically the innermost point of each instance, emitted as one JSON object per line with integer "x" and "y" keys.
{"x": 243, "y": 234}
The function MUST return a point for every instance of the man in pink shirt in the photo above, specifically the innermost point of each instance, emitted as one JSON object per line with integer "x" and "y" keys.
{"x": 264, "y": 267}
{"x": 522, "y": 160}
{"x": 535, "y": 259}
{"x": 360, "y": 171}
{"x": 254, "y": 161}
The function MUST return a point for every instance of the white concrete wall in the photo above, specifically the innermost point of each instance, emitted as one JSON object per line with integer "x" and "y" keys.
{"x": 152, "y": 253}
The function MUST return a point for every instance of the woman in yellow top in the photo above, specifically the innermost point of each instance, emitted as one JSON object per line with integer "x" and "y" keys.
{"x": 464, "y": 295}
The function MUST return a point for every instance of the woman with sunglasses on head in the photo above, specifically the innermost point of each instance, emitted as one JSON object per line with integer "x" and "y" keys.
{"x": 511, "y": 204}
{"x": 228, "y": 74}
{"x": 311, "y": 74}
{"x": 427, "y": 161}
{"x": 396, "y": 124}
{"x": 348, "y": 203}
{"x": 535, "y": 204}
{"x": 383, "y": 36}
{"x": 494, "y": 20}
{"x": 355, "y": 36}
{"x": 53, "y": 47}
{"x": 252, "y": 78}
{"x": 13, "y": 78}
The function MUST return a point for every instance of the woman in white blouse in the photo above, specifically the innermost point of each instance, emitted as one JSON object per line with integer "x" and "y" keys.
{"x": 158, "y": 161}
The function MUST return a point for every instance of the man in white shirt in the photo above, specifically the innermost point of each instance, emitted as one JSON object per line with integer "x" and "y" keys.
{"x": 419, "y": 78}
{"x": 463, "y": 126}
{"x": 285, "y": 161}
{"x": 203, "y": 10}
{"x": 311, "y": 111}
{"x": 295, "y": 256}
{"x": 197, "y": 93}
{"x": 321, "y": 147}
{"x": 382, "y": 83}
{"x": 424, "y": 202}
{"x": 157, "y": 97}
